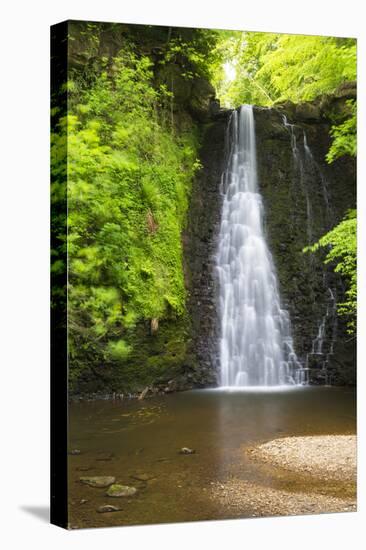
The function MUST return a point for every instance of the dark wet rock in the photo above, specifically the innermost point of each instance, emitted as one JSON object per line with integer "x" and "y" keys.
{"x": 108, "y": 508}
{"x": 308, "y": 111}
{"x": 214, "y": 107}
{"x": 347, "y": 90}
{"x": 170, "y": 75}
{"x": 299, "y": 208}
{"x": 98, "y": 481}
{"x": 186, "y": 451}
{"x": 117, "y": 490}
{"x": 295, "y": 211}
{"x": 196, "y": 95}
{"x": 200, "y": 241}
{"x": 202, "y": 98}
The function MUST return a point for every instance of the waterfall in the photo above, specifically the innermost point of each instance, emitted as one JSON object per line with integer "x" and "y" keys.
{"x": 326, "y": 331}
{"x": 256, "y": 347}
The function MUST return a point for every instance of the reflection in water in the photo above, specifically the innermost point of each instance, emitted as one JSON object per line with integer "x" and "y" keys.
{"x": 122, "y": 438}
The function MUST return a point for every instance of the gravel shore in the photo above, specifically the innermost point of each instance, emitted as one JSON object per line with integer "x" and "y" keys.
{"x": 244, "y": 499}
{"x": 327, "y": 457}
{"x": 307, "y": 475}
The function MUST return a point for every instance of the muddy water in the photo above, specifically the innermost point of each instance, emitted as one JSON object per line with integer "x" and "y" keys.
{"x": 141, "y": 439}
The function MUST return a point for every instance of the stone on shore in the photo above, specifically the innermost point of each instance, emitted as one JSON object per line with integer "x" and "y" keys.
{"x": 98, "y": 481}
{"x": 117, "y": 490}
{"x": 186, "y": 451}
{"x": 108, "y": 508}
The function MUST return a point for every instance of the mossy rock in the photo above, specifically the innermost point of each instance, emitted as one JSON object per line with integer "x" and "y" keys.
{"x": 98, "y": 481}
{"x": 117, "y": 490}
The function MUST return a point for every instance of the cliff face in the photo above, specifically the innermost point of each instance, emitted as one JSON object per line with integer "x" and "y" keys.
{"x": 303, "y": 197}
{"x": 200, "y": 242}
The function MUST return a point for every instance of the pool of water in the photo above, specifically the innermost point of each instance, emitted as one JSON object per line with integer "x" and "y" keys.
{"x": 129, "y": 439}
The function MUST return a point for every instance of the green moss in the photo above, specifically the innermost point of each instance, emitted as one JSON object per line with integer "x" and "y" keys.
{"x": 129, "y": 176}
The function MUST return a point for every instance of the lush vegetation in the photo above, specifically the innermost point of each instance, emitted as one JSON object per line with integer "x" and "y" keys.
{"x": 341, "y": 246}
{"x": 129, "y": 174}
{"x": 132, "y": 145}
{"x": 279, "y": 67}
{"x": 273, "y": 68}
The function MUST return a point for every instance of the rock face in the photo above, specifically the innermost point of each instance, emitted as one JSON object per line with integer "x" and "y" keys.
{"x": 200, "y": 242}
{"x": 304, "y": 197}
{"x": 193, "y": 96}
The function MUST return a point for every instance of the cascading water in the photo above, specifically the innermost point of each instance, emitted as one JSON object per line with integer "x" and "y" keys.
{"x": 323, "y": 342}
{"x": 256, "y": 347}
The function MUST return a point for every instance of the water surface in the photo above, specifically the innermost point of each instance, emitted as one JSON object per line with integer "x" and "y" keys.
{"x": 128, "y": 438}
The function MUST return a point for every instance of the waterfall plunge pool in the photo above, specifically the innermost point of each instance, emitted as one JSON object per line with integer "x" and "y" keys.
{"x": 129, "y": 439}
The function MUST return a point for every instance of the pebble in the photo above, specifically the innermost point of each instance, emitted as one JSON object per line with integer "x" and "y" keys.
{"x": 187, "y": 451}
{"x": 117, "y": 490}
{"x": 75, "y": 452}
{"x": 98, "y": 481}
{"x": 108, "y": 508}
{"x": 141, "y": 477}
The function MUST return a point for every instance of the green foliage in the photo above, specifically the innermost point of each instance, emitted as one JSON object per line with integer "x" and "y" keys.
{"x": 278, "y": 67}
{"x": 273, "y": 68}
{"x": 341, "y": 245}
{"x": 194, "y": 49}
{"x": 129, "y": 179}
{"x": 344, "y": 136}
{"x": 118, "y": 350}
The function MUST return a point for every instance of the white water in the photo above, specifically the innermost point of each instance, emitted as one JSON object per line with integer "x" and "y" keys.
{"x": 327, "y": 327}
{"x": 256, "y": 347}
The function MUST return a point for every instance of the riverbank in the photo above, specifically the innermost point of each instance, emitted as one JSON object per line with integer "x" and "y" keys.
{"x": 238, "y": 496}
{"x": 329, "y": 457}
{"x": 139, "y": 443}
{"x": 310, "y": 475}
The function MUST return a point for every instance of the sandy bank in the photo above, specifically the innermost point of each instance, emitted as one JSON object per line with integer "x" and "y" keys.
{"x": 326, "y": 457}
